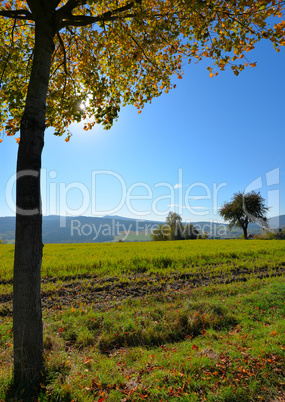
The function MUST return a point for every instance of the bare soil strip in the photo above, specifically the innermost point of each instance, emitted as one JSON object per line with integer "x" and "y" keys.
{"x": 100, "y": 292}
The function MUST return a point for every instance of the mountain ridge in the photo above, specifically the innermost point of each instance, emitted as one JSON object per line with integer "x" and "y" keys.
{"x": 84, "y": 229}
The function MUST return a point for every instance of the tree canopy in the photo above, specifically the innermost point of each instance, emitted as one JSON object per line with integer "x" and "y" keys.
{"x": 174, "y": 225}
{"x": 174, "y": 229}
{"x": 243, "y": 209}
{"x": 190, "y": 232}
{"x": 161, "y": 233}
{"x": 108, "y": 54}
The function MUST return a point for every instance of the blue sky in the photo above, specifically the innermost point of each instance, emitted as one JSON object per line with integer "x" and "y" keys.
{"x": 189, "y": 151}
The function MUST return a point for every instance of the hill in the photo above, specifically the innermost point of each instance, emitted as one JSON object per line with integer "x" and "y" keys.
{"x": 83, "y": 229}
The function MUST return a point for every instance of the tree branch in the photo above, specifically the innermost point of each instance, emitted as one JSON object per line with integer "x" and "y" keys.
{"x": 144, "y": 53}
{"x": 17, "y": 14}
{"x": 55, "y": 3}
{"x": 68, "y": 7}
{"x": 82, "y": 20}
{"x": 40, "y": 8}
{"x": 64, "y": 53}
{"x": 66, "y": 17}
{"x": 9, "y": 54}
{"x": 32, "y": 5}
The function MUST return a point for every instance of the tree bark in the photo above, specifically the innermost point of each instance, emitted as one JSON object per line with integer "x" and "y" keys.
{"x": 27, "y": 315}
{"x": 244, "y": 228}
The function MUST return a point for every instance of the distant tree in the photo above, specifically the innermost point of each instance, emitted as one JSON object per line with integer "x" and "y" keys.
{"x": 281, "y": 234}
{"x": 174, "y": 229}
{"x": 243, "y": 209}
{"x": 278, "y": 234}
{"x": 205, "y": 235}
{"x": 190, "y": 232}
{"x": 161, "y": 233}
{"x": 271, "y": 236}
{"x": 174, "y": 223}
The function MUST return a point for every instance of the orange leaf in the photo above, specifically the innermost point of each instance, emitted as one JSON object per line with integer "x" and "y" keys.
{"x": 211, "y": 75}
{"x": 17, "y": 140}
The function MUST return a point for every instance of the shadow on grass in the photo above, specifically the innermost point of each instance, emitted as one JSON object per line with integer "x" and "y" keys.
{"x": 174, "y": 327}
{"x": 25, "y": 393}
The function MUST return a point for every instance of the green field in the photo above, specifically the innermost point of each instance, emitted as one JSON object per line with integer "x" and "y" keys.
{"x": 198, "y": 320}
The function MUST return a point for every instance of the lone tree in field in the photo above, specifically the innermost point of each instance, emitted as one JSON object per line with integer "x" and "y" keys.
{"x": 243, "y": 209}
{"x": 73, "y": 60}
{"x": 174, "y": 225}
{"x": 174, "y": 229}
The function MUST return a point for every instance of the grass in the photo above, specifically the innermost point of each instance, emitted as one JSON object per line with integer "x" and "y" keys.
{"x": 211, "y": 256}
{"x": 182, "y": 321}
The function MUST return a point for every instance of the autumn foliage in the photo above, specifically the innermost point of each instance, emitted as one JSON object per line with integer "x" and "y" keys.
{"x": 108, "y": 54}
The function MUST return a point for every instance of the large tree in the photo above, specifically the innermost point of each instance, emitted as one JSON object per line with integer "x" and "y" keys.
{"x": 243, "y": 209}
{"x": 174, "y": 225}
{"x": 174, "y": 229}
{"x": 73, "y": 60}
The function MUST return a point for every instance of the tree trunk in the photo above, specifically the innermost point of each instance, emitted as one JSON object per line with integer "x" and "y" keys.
{"x": 27, "y": 315}
{"x": 244, "y": 228}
